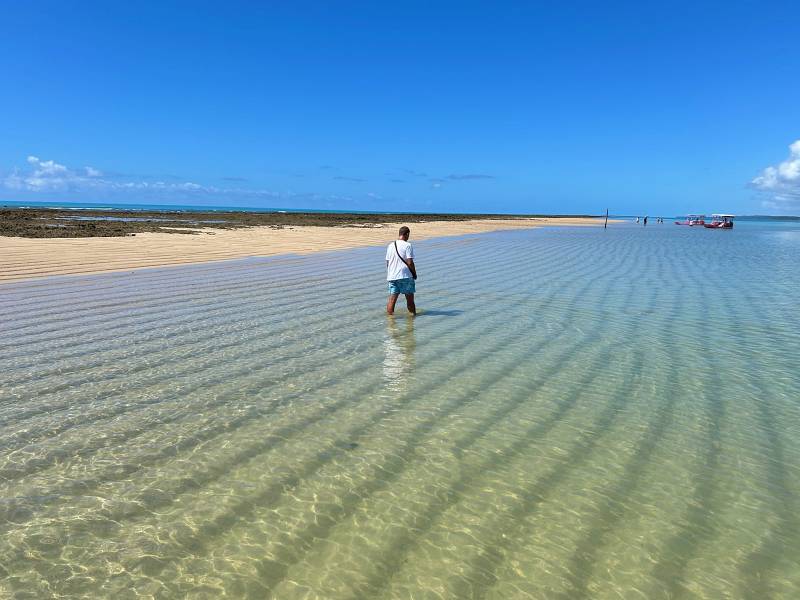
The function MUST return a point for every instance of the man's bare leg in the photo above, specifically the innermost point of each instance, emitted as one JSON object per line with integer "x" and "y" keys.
{"x": 391, "y": 302}
{"x": 412, "y": 308}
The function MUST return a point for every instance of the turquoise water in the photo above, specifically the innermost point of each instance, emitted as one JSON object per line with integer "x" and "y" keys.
{"x": 576, "y": 413}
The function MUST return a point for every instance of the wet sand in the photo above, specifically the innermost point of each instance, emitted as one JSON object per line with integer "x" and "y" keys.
{"x": 27, "y": 258}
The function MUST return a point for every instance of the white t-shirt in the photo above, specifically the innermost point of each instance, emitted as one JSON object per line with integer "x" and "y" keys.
{"x": 397, "y": 269}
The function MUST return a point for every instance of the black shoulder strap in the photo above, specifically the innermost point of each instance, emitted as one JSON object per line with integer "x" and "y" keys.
{"x": 399, "y": 255}
{"x": 410, "y": 268}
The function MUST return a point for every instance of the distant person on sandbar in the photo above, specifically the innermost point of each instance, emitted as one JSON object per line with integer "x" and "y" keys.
{"x": 401, "y": 272}
{"x": 645, "y": 221}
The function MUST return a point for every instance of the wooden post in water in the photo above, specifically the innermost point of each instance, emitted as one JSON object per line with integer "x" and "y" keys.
{"x": 605, "y": 225}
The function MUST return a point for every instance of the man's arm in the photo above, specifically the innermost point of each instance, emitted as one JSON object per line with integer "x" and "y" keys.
{"x": 411, "y": 267}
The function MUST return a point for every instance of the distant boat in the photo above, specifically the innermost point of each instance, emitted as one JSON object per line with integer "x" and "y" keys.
{"x": 692, "y": 220}
{"x": 720, "y": 222}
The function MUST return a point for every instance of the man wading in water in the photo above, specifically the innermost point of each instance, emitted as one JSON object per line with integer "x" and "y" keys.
{"x": 401, "y": 272}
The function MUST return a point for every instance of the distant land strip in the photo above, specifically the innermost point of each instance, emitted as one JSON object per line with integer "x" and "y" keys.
{"x": 79, "y": 223}
{"x": 30, "y": 249}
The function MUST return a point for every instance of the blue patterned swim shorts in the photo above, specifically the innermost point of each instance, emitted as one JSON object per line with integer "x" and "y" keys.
{"x": 402, "y": 286}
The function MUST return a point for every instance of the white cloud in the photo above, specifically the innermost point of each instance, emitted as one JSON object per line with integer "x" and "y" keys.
{"x": 781, "y": 183}
{"x": 46, "y": 168}
{"x": 49, "y": 176}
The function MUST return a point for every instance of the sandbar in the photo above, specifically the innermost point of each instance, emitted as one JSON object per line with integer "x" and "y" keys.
{"x": 29, "y": 258}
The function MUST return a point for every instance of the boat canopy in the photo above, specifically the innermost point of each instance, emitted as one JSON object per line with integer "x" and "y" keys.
{"x": 723, "y": 216}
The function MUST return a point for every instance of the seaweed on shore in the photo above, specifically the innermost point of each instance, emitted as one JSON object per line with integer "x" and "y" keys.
{"x": 70, "y": 223}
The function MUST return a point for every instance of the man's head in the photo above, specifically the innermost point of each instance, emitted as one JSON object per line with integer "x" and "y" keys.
{"x": 404, "y": 233}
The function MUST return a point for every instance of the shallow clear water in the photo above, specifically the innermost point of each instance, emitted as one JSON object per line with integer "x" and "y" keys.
{"x": 576, "y": 413}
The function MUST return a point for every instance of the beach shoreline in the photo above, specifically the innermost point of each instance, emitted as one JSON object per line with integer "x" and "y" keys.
{"x": 32, "y": 258}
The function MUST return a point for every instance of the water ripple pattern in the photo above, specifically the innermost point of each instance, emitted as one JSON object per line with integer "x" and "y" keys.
{"x": 576, "y": 413}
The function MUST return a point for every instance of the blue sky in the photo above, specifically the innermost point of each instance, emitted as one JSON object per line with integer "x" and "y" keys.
{"x": 556, "y": 107}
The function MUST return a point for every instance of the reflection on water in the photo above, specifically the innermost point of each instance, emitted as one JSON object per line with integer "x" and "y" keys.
{"x": 398, "y": 348}
{"x": 600, "y": 414}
